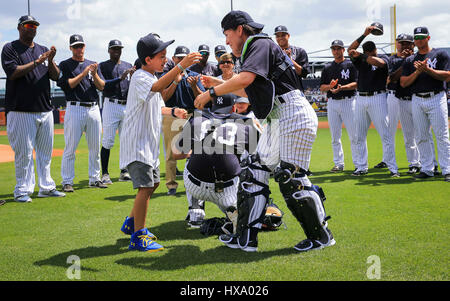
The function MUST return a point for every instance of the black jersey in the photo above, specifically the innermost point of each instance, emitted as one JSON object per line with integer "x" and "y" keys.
{"x": 371, "y": 78}
{"x": 217, "y": 141}
{"x": 344, "y": 72}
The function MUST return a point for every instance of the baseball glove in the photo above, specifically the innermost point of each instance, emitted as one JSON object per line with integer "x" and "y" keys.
{"x": 216, "y": 226}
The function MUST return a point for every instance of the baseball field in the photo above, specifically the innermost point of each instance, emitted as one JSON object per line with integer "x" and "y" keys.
{"x": 386, "y": 229}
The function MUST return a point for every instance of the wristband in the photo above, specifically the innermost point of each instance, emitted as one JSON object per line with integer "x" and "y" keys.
{"x": 212, "y": 92}
{"x": 173, "y": 111}
{"x": 361, "y": 38}
{"x": 175, "y": 83}
{"x": 182, "y": 69}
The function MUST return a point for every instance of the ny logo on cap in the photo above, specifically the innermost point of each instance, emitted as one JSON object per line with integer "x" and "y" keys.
{"x": 220, "y": 100}
{"x": 345, "y": 74}
{"x": 419, "y": 29}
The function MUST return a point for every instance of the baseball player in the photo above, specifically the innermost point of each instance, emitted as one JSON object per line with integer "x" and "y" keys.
{"x": 298, "y": 55}
{"x": 215, "y": 138}
{"x": 29, "y": 68}
{"x": 140, "y": 139}
{"x": 219, "y": 50}
{"x": 204, "y": 67}
{"x": 269, "y": 80}
{"x": 116, "y": 73}
{"x": 425, "y": 73}
{"x": 80, "y": 80}
{"x": 339, "y": 81}
{"x": 371, "y": 104}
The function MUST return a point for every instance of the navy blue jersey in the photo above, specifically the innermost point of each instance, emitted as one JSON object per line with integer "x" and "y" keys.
{"x": 111, "y": 73}
{"x": 438, "y": 59}
{"x": 209, "y": 69}
{"x": 217, "y": 141}
{"x": 371, "y": 78}
{"x": 29, "y": 93}
{"x": 395, "y": 62}
{"x": 183, "y": 97}
{"x": 300, "y": 56}
{"x": 85, "y": 91}
{"x": 273, "y": 69}
{"x": 344, "y": 72}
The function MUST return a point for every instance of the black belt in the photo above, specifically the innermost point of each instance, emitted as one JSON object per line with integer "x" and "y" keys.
{"x": 83, "y": 104}
{"x": 428, "y": 94}
{"x": 118, "y": 101}
{"x": 342, "y": 97}
{"x": 197, "y": 182}
{"x": 406, "y": 98}
{"x": 371, "y": 93}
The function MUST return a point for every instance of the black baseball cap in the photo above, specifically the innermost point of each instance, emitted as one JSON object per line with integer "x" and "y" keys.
{"x": 378, "y": 31}
{"x": 150, "y": 45}
{"x": 203, "y": 48}
{"x": 181, "y": 51}
{"x": 237, "y": 17}
{"x": 115, "y": 43}
{"x": 403, "y": 37}
{"x": 281, "y": 28}
{"x": 421, "y": 31}
{"x": 28, "y": 19}
{"x": 222, "y": 104}
{"x": 76, "y": 39}
{"x": 337, "y": 43}
{"x": 219, "y": 50}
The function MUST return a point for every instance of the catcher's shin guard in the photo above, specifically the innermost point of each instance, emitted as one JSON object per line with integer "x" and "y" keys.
{"x": 305, "y": 202}
{"x": 253, "y": 194}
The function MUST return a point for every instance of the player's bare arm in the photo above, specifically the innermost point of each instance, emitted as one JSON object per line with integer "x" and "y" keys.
{"x": 98, "y": 82}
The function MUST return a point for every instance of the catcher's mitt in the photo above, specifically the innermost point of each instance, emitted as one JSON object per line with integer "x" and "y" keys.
{"x": 216, "y": 226}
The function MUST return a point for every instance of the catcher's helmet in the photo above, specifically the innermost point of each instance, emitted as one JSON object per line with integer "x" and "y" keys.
{"x": 273, "y": 218}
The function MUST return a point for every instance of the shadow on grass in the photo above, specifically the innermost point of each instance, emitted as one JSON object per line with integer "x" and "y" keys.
{"x": 60, "y": 260}
{"x": 176, "y": 230}
{"x": 182, "y": 256}
{"x": 121, "y": 198}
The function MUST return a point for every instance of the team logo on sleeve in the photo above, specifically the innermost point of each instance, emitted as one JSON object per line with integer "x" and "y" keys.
{"x": 345, "y": 74}
{"x": 374, "y": 68}
{"x": 432, "y": 63}
{"x": 219, "y": 100}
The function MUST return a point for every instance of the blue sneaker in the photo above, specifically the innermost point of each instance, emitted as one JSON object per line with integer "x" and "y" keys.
{"x": 128, "y": 228}
{"x": 141, "y": 241}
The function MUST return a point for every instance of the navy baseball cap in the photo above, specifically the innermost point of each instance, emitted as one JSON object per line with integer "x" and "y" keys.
{"x": 421, "y": 31}
{"x": 150, "y": 45}
{"x": 219, "y": 50}
{"x": 115, "y": 43}
{"x": 181, "y": 51}
{"x": 222, "y": 104}
{"x": 337, "y": 43}
{"x": 281, "y": 28}
{"x": 237, "y": 17}
{"x": 203, "y": 48}
{"x": 28, "y": 19}
{"x": 76, "y": 39}
{"x": 378, "y": 31}
{"x": 403, "y": 37}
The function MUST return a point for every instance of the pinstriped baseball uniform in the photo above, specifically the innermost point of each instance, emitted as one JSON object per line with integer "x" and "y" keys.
{"x": 216, "y": 141}
{"x": 341, "y": 106}
{"x": 141, "y": 128}
{"x": 82, "y": 116}
{"x": 371, "y": 106}
{"x": 30, "y": 117}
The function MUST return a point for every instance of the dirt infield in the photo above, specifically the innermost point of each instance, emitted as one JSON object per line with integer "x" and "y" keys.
{"x": 7, "y": 154}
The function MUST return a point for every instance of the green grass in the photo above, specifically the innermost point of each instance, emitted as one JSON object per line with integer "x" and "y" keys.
{"x": 402, "y": 221}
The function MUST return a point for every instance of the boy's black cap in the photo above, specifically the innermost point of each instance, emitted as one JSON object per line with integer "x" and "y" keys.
{"x": 403, "y": 37}
{"x": 421, "y": 31}
{"x": 337, "y": 43}
{"x": 150, "y": 45}
{"x": 281, "y": 28}
{"x": 115, "y": 43}
{"x": 237, "y": 17}
{"x": 76, "y": 39}
{"x": 222, "y": 104}
{"x": 28, "y": 19}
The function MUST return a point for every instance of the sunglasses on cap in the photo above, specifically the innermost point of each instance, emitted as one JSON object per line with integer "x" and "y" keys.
{"x": 420, "y": 37}
{"x": 78, "y": 46}
{"x": 219, "y": 54}
{"x": 29, "y": 26}
{"x": 225, "y": 62}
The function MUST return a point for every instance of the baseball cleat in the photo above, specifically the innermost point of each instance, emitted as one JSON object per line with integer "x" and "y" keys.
{"x": 358, "y": 173}
{"x": 195, "y": 224}
{"x": 124, "y": 177}
{"x": 106, "y": 179}
{"x": 337, "y": 168}
{"x": 380, "y": 165}
{"x": 23, "y": 199}
{"x": 68, "y": 188}
{"x": 423, "y": 175}
{"x": 51, "y": 193}
{"x": 395, "y": 174}
{"x": 413, "y": 170}
{"x": 141, "y": 241}
{"x": 97, "y": 184}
